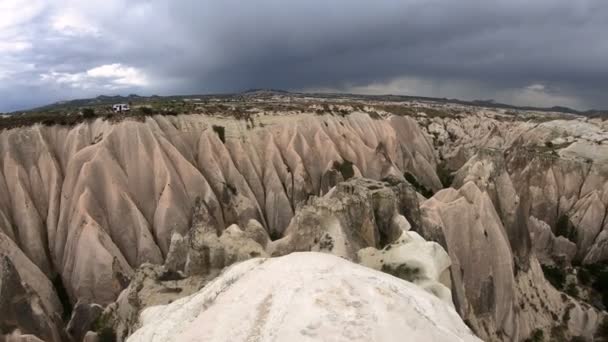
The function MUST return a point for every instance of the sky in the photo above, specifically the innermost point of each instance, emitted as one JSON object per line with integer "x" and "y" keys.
{"x": 522, "y": 52}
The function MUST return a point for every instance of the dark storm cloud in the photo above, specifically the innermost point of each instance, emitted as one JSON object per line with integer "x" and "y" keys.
{"x": 542, "y": 52}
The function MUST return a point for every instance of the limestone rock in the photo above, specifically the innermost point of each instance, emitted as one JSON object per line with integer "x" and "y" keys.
{"x": 487, "y": 169}
{"x": 483, "y": 284}
{"x": 207, "y": 251}
{"x": 414, "y": 259}
{"x": 95, "y": 201}
{"x": 547, "y": 246}
{"x": 151, "y": 285}
{"x": 499, "y": 301}
{"x": 28, "y": 302}
{"x": 353, "y": 215}
{"x": 304, "y": 296}
{"x": 83, "y": 317}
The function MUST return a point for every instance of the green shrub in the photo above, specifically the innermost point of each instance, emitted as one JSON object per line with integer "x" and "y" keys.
{"x": 598, "y": 279}
{"x": 88, "y": 113}
{"x": 583, "y": 276}
{"x": 537, "y": 336}
{"x": 555, "y": 276}
{"x": 146, "y": 110}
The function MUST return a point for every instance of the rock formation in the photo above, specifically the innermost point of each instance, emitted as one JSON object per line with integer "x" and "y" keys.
{"x": 139, "y": 213}
{"x": 500, "y": 301}
{"x": 304, "y": 296}
{"x": 28, "y": 302}
{"x": 352, "y": 221}
{"x": 554, "y": 170}
{"x": 93, "y": 202}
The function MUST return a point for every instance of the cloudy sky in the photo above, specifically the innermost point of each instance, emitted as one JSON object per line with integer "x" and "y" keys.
{"x": 541, "y": 52}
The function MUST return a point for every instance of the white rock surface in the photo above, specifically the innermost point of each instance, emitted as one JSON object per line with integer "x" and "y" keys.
{"x": 412, "y": 258}
{"x": 304, "y": 297}
{"x": 482, "y": 261}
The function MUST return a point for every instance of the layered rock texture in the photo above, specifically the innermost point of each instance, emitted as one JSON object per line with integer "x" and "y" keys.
{"x": 464, "y": 205}
{"x": 500, "y": 301}
{"x": 359, "y": 220}
{"x": 557, "y": 169}
{"x": 93, "y": 202}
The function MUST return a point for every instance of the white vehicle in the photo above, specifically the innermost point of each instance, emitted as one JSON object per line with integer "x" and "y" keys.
{"x": 121, "y": 107}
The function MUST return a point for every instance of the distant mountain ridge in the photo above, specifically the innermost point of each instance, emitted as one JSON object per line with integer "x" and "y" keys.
{"x": 264, "y": 92}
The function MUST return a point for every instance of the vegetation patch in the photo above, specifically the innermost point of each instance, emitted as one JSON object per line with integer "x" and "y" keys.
{"x": 555, "y": 275}
{"x": 398, "y": 110}
{"x": 88, "y": 113}
{"x": 537, "y": 336}
{"x": 596, "y": 276}
{"x": 145, "y": 110}
{"x": 104, "y": 329}
{"x": 436, "y": 113}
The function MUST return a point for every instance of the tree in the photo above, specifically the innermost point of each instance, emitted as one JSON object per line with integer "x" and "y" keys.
{"x": 88, "y": 113}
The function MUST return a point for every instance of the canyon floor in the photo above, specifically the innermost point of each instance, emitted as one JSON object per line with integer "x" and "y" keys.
{"x": 278, "y": 216}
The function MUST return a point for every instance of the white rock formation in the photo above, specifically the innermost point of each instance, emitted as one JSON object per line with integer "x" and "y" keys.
{"x": 414, "y": 259}
{"x": 351, "y": 221}
{"x": 500, "y": 302}
{"x": 304, "y": 297}
{"x": 28, "y": 301}
{"x": 483, "y": 284}
{"x": 549, "y": 248}
{"x": 94, "y": 201}
{"x": 555, "y": 164}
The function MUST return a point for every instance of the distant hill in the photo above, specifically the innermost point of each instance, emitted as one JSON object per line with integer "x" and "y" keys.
{"x": 103, "y": 100}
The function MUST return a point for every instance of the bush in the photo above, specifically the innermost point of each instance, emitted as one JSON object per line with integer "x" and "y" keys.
{"x": 147, "y": 110}
{"x": 537, "y": 336}
{"x": 88, "y": 113}
{"x": 555, "y": 276}
{"x": 583, "y": 276}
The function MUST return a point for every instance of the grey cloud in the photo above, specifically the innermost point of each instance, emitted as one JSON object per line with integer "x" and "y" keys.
{"x": 491, "y": 48}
